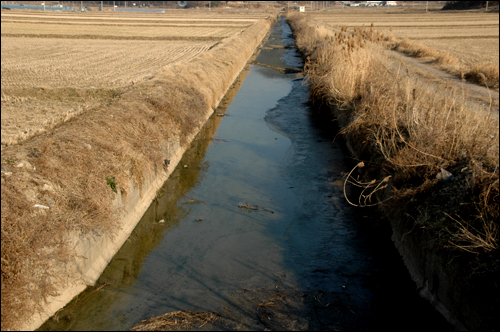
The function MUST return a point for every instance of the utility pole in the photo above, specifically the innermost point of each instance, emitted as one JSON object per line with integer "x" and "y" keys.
{"x": 426, "y": 5}
{"x": 486, "y": 5}
{"x": 209, "y": 5}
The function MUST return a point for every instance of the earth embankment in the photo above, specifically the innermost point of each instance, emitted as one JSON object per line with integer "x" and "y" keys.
{"x": 428, "y": 157}
{"x": 72, "y": 195}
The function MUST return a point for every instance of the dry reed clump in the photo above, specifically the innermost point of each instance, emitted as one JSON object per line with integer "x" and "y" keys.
{"x": 412, "y": 48}
{"x": 484, "y": 74}
{"x": 65, "y": 183}
{"x": 415, "y": 131}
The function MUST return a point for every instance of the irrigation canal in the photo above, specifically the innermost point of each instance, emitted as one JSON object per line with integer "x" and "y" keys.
{"x": 303, "y": 259}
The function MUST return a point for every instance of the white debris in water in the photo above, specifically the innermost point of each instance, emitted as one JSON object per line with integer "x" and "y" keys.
{"x": 444, "y": 175}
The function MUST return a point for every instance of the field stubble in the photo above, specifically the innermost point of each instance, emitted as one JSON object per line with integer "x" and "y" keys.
{"x": 88, "y": 63}
{"x": 117, "y": 31}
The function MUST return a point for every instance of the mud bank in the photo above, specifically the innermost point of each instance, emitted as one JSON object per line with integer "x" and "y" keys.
{"x": 139, "y": 138}
{"x": 460, "y": 285}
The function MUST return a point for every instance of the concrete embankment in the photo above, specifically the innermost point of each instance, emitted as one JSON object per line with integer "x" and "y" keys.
{"x": 460, "y": 284}
{"x": 79, "y": 190}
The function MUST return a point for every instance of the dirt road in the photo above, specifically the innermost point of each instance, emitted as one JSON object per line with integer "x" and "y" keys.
{"x": 436, "y": 78}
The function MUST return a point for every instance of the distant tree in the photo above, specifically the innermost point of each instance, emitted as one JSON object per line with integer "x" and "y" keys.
{"x": 217, "y": 3}
{"x": 192, "y": 4}
{"x": 454, "y": 5}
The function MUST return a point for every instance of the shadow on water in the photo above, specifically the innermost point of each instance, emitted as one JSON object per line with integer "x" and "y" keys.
{"x": 313, "y": 263}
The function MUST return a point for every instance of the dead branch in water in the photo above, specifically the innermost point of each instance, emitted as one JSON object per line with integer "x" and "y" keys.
{"x": 193, "y": 201}
{"x": 253, "y": 207}
{"x": 213, "y": 139}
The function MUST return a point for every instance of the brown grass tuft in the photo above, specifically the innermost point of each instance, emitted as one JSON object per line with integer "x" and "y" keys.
{"x": 484, "y": 74}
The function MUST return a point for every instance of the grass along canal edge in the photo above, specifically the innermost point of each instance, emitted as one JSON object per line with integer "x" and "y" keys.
{"x": 428, "y": 158}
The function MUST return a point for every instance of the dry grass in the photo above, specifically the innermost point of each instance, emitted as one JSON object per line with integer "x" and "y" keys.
{"x": 475, "y": 240}
{"x": 463, "y": 44}
{"x": 178, "y": 320}
{"x": 484, "y": 74}
{"x": 416, "y": 130}
{"x": 67, "y": 168}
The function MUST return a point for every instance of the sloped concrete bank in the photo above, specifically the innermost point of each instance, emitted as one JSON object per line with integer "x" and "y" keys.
{"x": 199, "y": 82}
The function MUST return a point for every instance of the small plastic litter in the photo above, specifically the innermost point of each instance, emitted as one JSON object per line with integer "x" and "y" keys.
{"x": 444, "y": 175}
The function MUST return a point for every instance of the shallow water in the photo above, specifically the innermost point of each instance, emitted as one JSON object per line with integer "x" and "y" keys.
{"x": 270, "y": 152}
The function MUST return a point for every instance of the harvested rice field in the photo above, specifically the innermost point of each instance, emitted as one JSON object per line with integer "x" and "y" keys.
{"x": 471, "y": 37}
{"x": 57, "y": 65}
{"x": 89, "y": 63}
{"x": 468, "y": 50}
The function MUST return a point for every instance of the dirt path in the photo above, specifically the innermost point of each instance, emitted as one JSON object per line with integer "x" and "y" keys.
{"x": 435, "y": 77}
